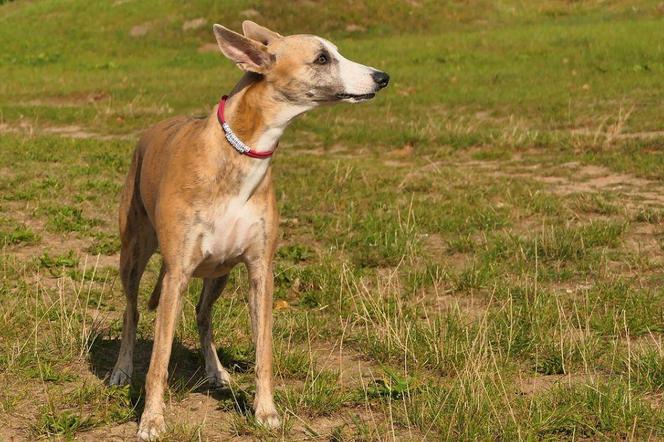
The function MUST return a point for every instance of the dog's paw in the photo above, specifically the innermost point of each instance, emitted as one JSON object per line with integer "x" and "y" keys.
{"x": 120, "y": 376}
{"x": 218, "y": 379}
{"x": 268, "y": 417}
{"x": 151, "y": 427}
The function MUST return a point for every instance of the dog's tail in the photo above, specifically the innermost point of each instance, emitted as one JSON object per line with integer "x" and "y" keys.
{"x": 156, "y": 292}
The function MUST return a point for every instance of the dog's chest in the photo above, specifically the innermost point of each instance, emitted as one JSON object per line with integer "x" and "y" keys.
{"x": 229, "y": 226}
{"x": 229, "y": 230}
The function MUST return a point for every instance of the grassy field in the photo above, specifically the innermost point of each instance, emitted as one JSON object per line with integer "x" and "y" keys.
{"x": 477, "y": 254}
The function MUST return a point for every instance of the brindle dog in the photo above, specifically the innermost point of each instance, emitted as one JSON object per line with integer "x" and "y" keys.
{"x": 208, "y": 207}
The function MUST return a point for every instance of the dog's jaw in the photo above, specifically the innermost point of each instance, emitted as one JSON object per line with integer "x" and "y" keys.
{"x": 352, "y": 98}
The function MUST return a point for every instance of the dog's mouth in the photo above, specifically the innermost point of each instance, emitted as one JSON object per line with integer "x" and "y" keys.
{"x": 354, "y": 98}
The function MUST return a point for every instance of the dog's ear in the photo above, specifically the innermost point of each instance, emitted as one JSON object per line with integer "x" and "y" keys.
{"x": 247, "y": 54}
{"x": 259, "y": 33}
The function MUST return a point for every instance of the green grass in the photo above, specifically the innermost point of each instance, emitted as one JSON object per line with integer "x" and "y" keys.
{"x": 477, "y": 255}
{"x": 13, "y": 232}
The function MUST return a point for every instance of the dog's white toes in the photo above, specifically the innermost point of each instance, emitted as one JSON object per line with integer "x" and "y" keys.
{"x": 268, "y": 418}
{"x": 219, "y": 379}
{"x": 151, "y": 427}
{"x": 120, "y": 377}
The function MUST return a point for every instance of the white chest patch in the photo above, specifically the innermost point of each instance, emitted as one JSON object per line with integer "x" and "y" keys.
{"x": 232, "y": 225}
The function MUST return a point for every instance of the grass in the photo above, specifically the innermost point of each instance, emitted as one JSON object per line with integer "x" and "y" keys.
{"x": 476, "y": 254}
{"x": 13, "y": 233}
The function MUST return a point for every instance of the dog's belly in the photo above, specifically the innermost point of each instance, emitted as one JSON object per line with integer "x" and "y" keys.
{"x": 212, "y": 269}
{"x": 226, "y": 237}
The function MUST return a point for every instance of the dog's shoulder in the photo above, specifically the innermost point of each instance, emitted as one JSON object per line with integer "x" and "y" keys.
{"x": 170, "y": 129}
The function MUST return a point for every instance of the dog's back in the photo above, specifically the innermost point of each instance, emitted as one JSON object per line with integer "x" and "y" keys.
{"x": 157, "y": 147}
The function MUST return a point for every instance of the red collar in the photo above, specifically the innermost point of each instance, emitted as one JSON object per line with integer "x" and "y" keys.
{"x": 234, "y": 140}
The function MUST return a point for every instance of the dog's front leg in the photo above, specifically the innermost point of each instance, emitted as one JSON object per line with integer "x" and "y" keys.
{"x": 261, "y": 286}
{"x": 170, "y": 303}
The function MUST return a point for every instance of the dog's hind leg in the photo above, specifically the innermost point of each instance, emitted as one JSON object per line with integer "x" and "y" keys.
{"x": 152, "y": 422}
{"x": 139, "y": 242}
{"x": 217, "y": 376}
{"x": 156, "y": 292}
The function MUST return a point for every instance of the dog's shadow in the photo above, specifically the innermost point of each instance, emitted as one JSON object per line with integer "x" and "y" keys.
{"x": 186, "y": 372}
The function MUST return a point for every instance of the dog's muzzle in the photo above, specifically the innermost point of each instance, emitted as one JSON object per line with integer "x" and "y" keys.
{"x": 381, "y": 79}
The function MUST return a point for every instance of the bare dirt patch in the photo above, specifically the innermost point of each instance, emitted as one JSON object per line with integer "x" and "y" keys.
{"x": 533, "y": 385}
{"x": 71, "y": 100}
{"x": 642, "y": 240}
{"x": 434, "y": 244}
{"x": 633, "y": 193}
{"x": 53, "y": 243}
{"x": 353, "y": 368}
{"x": 140, "y": 30}
{"x": 573, "y": 177}
{"x": 208, "y": 48}
{"x": 71, "y": 131}
{"x": 639, "y": 135}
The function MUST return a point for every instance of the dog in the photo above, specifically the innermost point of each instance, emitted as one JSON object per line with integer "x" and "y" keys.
{"x": 200, "y": 190}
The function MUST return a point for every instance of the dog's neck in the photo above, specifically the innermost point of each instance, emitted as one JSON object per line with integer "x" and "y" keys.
{"x": 257, "y": 117}
{"x": 256, "y": 114}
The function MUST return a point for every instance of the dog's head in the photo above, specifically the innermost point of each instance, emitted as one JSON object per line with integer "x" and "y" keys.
{"x": 304, "y": 69}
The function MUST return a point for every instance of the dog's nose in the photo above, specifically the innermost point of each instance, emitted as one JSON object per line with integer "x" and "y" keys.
{"x": 381, "y": 78}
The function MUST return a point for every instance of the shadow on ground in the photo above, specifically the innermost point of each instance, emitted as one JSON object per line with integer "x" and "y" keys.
{"x": 186, "y": 372}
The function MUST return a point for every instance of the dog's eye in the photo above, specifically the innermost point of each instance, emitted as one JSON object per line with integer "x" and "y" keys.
{"x": 322, "y": 59}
